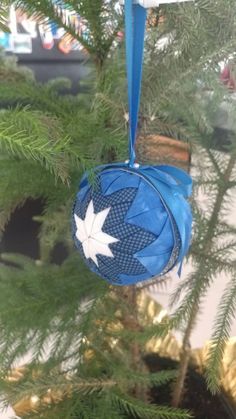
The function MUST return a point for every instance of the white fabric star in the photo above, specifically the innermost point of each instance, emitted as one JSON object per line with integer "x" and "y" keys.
{"x": 89, "y": 233}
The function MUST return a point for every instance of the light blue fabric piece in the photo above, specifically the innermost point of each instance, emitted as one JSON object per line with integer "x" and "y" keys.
{"x": 184, "y": 181}
{"x": 179, "y": 181}
{"x": 155, "y": 265}
{"x": 107, "y": 180}
{"x": 173, "y": 195}
{"x": 163, "y": 244}
{"x": 140, "y": 205}
{"x": 152, "y": 220}
{"x": 82, "y": 192}
{"x": 114, "y": 181}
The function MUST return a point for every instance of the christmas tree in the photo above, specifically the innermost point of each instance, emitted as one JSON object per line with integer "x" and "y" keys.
{"x": 86, "y": 340}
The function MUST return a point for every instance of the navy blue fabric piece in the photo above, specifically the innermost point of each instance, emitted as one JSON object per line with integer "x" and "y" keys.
{"x": 119, "y": 230}
{"x": 132, "y": 243}
{"x": 117, "y": 198}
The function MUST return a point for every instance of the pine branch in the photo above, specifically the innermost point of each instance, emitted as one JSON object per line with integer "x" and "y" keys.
{"x": 4, "y": 10}
{"x": 140, "y": 410}
{"x": 220, "y": 335}
{"x": 37, "y": 298}
{"x": 20, "y": 180}
{"x": 204, "y": 274}
{"x": 190, "y": 306}
{"x": 59, "y": 387}
{"x": 184, "y": 285}
{"x": 39, "y": 97}
{"x": 92, "y": 407}
{"x": 26, "y": 134}
{"x": 156, "y": 379}
{"x": 55, "y": 228}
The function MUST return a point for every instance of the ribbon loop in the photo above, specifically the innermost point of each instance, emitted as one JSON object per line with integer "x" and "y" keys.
{"x": 135, "y": 22}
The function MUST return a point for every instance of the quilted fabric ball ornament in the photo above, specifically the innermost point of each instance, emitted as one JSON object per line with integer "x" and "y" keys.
{"x": 132, "y": 224}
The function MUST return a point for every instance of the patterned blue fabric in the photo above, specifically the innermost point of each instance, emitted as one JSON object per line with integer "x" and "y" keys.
{"x": 149, "y": 232}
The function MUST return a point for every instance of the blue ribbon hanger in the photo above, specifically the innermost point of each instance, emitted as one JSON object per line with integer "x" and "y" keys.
{"x": 135, "y": 22}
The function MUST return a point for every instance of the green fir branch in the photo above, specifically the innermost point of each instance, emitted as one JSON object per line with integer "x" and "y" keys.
{"x": 150, "y": 379}
{"x": 4, "y": 13}
{"x": 35, "y": 137}
{"x": 141, "y": 410}
{"x": 220, "y": 335}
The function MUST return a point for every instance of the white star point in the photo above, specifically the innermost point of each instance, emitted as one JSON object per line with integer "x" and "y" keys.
{"x": 89, "y": 233}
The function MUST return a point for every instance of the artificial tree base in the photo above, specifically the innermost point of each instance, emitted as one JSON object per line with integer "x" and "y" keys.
{"x": 197, "y": 398}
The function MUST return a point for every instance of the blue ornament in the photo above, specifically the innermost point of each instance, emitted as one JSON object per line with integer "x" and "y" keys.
{"x": 133, "y": 223}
